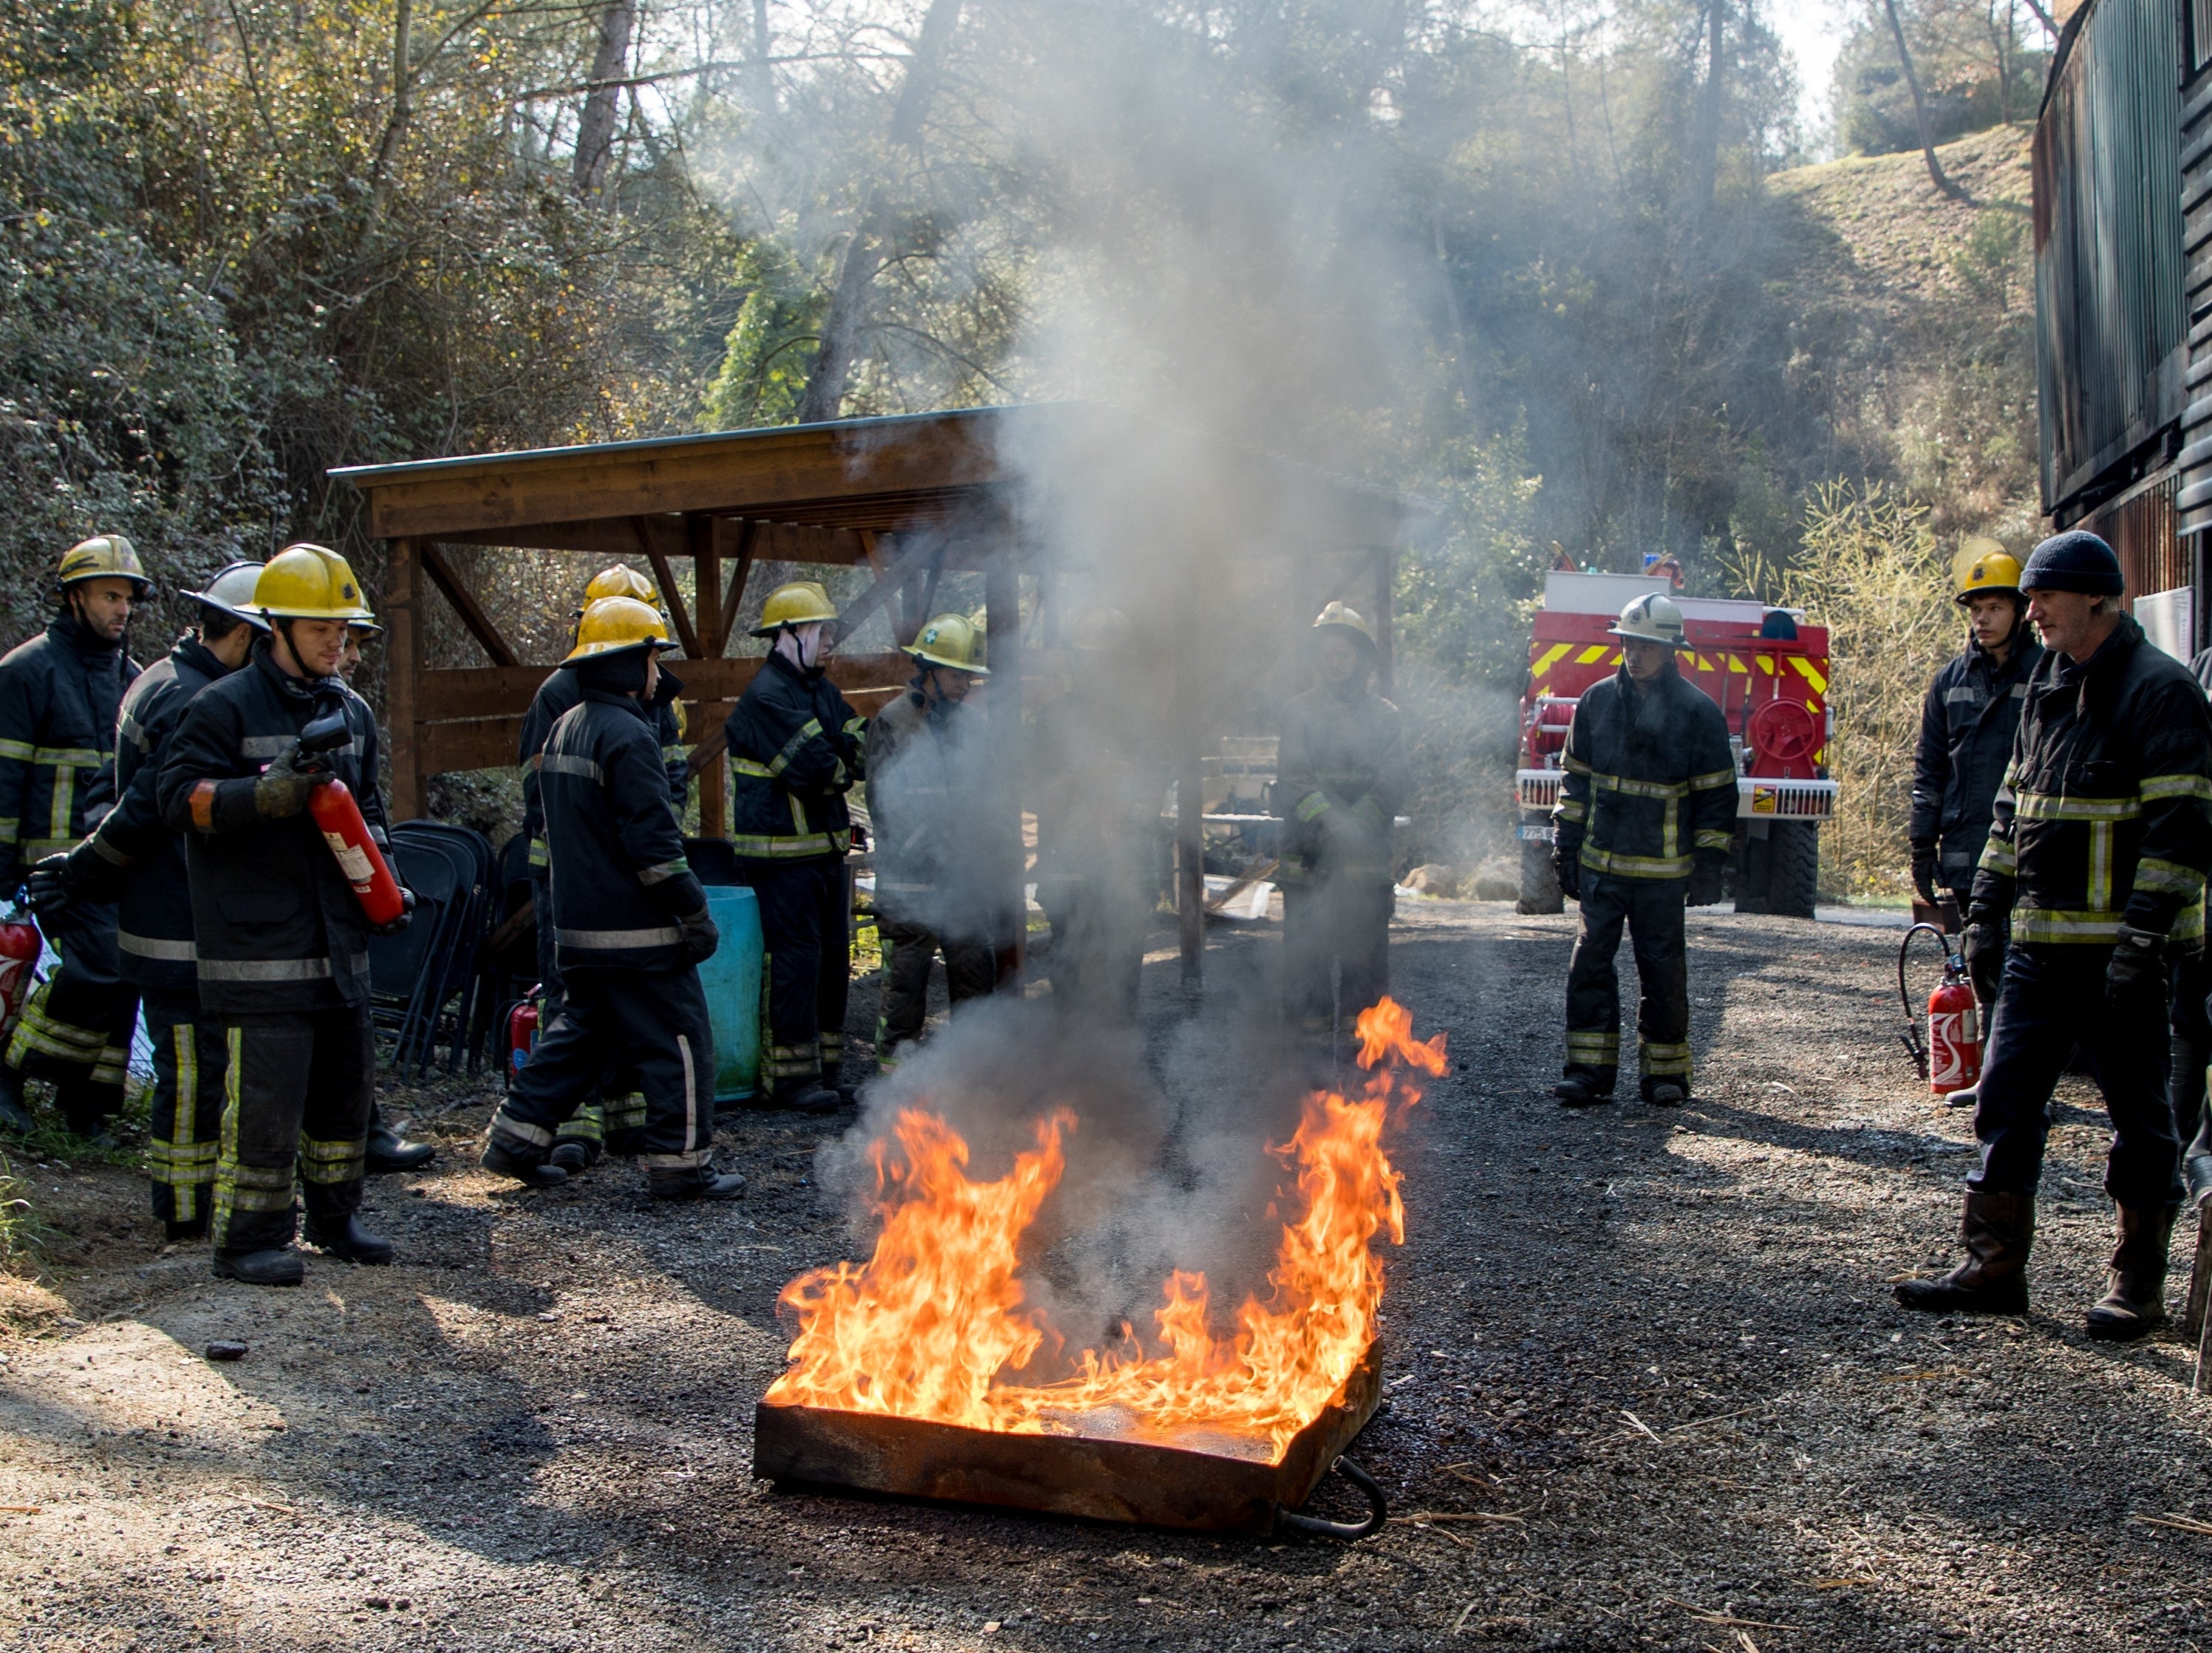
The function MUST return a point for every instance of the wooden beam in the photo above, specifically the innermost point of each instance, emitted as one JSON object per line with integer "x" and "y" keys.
{"x": 855, "y": 675}
{"x": 887, "y": 584}
{"x": 464, "y": 604}
{"x": 670, "y": 597}
{"x": 1002, "y": 597}
{"x": 706, "y": 583}
{"x": 403, "y": 668}
{"x": 734, "y": 599}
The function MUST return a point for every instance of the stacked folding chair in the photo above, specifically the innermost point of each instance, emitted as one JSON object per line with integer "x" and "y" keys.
{"x": 424, "y": 981}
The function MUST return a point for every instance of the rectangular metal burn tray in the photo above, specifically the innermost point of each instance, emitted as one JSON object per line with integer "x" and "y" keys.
{"x": 1140, "y": 1481}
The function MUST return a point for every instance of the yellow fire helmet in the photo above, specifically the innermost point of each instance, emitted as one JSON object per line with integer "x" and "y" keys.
{"x": 1984, "y": 565}
{"x": 950, "y": 640}
{"x": 104, "y": 557}
{"x": 800, "y": 603}
{"x": 621, "y": 580}
{"x": 309, "y": 582}
{"x": 1343, "y": 617}
{"x": 615, "y": 623}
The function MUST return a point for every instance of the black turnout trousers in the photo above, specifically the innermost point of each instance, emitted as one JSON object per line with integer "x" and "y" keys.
{"x": 1097, "y": 964}
{"x": 191, "y": 1060}
{"x": 808, "y": 945}
{"x": 613, "y": 1119}
{"x": 971, "y": 971}
{"x": 652, "y": 1020}
{"x": 1336, "y": 953}
{"x": 296, "y": 1097}
{"x": 1652, "y": 910}
{"x": 79, "y": 1034}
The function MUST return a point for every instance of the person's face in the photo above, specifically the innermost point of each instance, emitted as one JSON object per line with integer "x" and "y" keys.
{"x": 816, "y": 642}
{"x": 651, "y": 672}
{"x": 1340, "y": 658}
{"x": 1993, "y": 618}
{"x": 2068, "y": 621}
{"x": 949, "y": 683}
{"x": 314, "y": 645}
{"x": 349, "y": 657}
{"x": 104, "y": 605}
{"x": 1644, "y": 658}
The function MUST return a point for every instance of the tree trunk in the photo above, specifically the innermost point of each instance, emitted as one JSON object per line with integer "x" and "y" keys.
{"x": 595, "y": 132}
{"x": 1709, "y": 105}
{"x": 403, "y": 110}
{"x": 864, "y": 252}
{"x": 1919, "y": 105}
{"x": 763, "y": 72}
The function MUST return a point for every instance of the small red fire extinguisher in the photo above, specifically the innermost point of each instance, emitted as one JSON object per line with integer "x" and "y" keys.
{"x": 1950, "y": 1059}
{"x": 521, "y": 1035}
{"x": 19, "y": 958}
{"x": 344, "y": 829}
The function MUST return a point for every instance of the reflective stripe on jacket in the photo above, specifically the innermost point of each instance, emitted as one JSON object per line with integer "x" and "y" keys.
{"x": 2105, "y": 817}
{"x": 1968, "y": 720}
{"x": 619, "y": 878}
{"x": 1339, "y": 779}
{"x": 794, "y": 748}
{"x": 1649, "y": 778}
{"x": 274, "y": 921}
{"x": 554, "y": 697}
{"x": 60, "y": 695}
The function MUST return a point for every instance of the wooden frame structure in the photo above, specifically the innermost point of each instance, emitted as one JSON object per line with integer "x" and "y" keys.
{"x": 910, "y": 497}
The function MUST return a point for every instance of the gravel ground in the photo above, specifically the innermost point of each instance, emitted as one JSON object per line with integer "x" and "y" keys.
{"x": 1646, "y": 1388}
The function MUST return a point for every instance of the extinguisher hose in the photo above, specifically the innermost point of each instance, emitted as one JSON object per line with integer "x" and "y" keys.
{"x": 1915, "y": 1046}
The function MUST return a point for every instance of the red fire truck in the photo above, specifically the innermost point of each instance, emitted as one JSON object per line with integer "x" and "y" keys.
{"x": 1768, "y": 671}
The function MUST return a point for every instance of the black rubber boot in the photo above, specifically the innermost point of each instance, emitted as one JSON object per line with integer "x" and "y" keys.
{"x": 83, "y": 1109}
{"x": 700, "y": 1182}
{"x": 806, "y": 1096}
{"x": 524, "y": 1164}
{"x": 571, "y": 1157}
{"x": 344, "y": 1237}
{"x": 193, "y": 1228}
{"x": 260, "y": 1267}
{"x": 1580, "y": 1090}
{"x": 2135, "y": 1301}
{"x": 1997, "y": 1230}
{"x": 388, "y": 1151}
{"x": 1664, "y": 1093}
{"x": 13, "y": 1116}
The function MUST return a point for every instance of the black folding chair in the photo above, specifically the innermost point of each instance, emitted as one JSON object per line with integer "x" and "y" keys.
{"x": 407, "y": 969}
{"x": 455, "y": 973}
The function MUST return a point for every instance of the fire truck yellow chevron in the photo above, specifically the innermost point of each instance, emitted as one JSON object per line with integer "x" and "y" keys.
{"x": 1810, "y": 672}
{"x": 1550, "y": 658}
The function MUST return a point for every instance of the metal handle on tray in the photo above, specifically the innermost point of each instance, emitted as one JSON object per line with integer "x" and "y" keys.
{"x": 1377, "y": 1510}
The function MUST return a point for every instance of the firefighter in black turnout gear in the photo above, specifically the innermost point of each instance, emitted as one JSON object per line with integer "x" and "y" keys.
{"x": 795, "y": 750}
{"x": 1966, "y": 725}
{"x": 1642, "y": 829}
{"x": 136, "y": 860}
{"x": 2191, "y": 1024}
{"x": 929, "y": 796}
{"x": 630, "y": 922}
{"x": 621, "y": 1112}
{"x": 60, "y": 695}
{"x": 2095, "y": 866}
{"x": 1339, "y": 779}
{"x": 281, "y": 944}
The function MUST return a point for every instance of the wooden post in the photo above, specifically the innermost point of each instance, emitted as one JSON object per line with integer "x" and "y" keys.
{"x": 1385, "y": 565}
{"x": 1190, "y": 829}
{"x": 707, "y": 597}
{"x": 403, "y": 668}
{"x": 1002, "y": 599}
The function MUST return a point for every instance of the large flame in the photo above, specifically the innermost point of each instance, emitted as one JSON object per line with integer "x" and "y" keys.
{"x": 930, "y": 1326}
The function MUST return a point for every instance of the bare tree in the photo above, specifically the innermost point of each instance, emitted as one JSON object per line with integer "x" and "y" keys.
{"x": 595, "y": 132}
{"x": 1709, "y": 104}
{"x": 1919, "y": 105}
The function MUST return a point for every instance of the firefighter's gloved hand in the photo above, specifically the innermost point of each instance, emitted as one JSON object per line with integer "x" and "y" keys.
{"x": 2138, "y": 968}
{"x": 1568, "y": 871}
{"x": 701, "y": 938}
{"x": 406, "y": 914}
{"x": 282, "y": 791}
{"x": 49, "y": 886}
{"x": 1707, "y": 879}
{"x": 1925, "y": 863}
{"x": 1982, "y": 944}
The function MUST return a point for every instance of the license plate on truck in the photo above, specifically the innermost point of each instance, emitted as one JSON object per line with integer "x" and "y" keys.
{"x": 1535, "y": 832}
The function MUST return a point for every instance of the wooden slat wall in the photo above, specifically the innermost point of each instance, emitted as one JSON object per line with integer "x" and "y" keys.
{"x": 2143, "y": 528}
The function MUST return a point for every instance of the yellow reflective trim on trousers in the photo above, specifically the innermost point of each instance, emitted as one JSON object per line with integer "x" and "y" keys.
{"x": 2051, "y": 925}
{"x": 327, "y": 1162}
{"x": 2167, "y": 878}
{"x": 2156, "y": 786}
{"x": 625, "y": 1113}
{"x": 2189, "y": 926}
{"x": 1714, "y": 782}
{"x": 541, "y": 854}
{"x": 1634, "y": 866}
{"x": 2100, "y": 865}
{"x": 1593, "y": 1049}
{"x": 2049, "y": 806}
{"x": 1312, "y": 806}
{"x": 1664, "y": 1061}
{"x": 587, "y": 1124}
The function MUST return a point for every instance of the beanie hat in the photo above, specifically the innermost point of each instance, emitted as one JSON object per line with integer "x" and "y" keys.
{"x": 2073, "y": 561}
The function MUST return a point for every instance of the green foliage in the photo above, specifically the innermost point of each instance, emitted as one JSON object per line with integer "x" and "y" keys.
{"x": 1981, "y": 64}
{"x": 770, "y": 351}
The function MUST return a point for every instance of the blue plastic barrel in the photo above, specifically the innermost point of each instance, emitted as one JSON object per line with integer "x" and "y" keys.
{"x": 732, "y": 980}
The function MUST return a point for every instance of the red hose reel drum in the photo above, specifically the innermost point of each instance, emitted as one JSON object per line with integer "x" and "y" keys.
{"x": 1785, "y": 732}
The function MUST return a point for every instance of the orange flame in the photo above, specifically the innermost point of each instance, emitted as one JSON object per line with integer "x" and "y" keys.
{"x": 929, "y": 1327}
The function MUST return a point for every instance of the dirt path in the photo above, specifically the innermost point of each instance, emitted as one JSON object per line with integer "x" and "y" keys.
{"x": 1645, "y": 1360}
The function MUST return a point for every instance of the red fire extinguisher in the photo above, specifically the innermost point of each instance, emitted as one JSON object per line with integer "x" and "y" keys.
{"x": 19, "y": 958}
{"x": 521, "y": 1035}
{"x": 363, "y": 864}
{"x": 1950, "y": 1058}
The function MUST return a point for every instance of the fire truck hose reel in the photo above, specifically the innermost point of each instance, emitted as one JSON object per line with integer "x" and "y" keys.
{"x": 1378, "y": 1510}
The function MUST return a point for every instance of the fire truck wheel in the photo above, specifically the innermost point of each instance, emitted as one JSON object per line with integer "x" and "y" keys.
{"x": 1539, "y": 886}
{"x": 1793, "y": 877}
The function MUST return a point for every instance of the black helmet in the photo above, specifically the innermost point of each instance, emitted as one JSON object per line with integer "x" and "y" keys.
{"x": 2073, "y": 561}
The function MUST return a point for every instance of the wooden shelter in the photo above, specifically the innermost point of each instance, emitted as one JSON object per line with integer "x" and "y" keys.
{"x": 908, "y": 497}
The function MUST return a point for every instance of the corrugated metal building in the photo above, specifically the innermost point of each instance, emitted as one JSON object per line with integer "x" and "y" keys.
{"x": 2123, "y": 290}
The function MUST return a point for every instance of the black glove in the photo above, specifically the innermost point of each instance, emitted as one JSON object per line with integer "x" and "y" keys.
{"x": 701, "y": 938}
{"x": 2138, "y": 968}
{"x": 282, "y": 791}
{"x": 1982, "y": 945}
{"x": 1925, "y": 863}
{"x": 1568, "y": 871}
{"x": 406, "y": 914}
{"x": 49, "y": 887}
{"x": 1709, "y": 878}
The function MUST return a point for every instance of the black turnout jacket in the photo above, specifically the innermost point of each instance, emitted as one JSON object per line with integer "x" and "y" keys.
{"x": 1967, "y": 722}
{"x": 154, "y": 909}
{"x": 794, "y": 753}
{"x": 1340, "y": 779}
{"x": 60, "y": 693}
{"x": 554, "y": 696}
{"x": 274, "y": 923}
{"x": 1651, "y": 780}
{"x": 2104, "y": 817}
{"x": 619, "y": 878}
